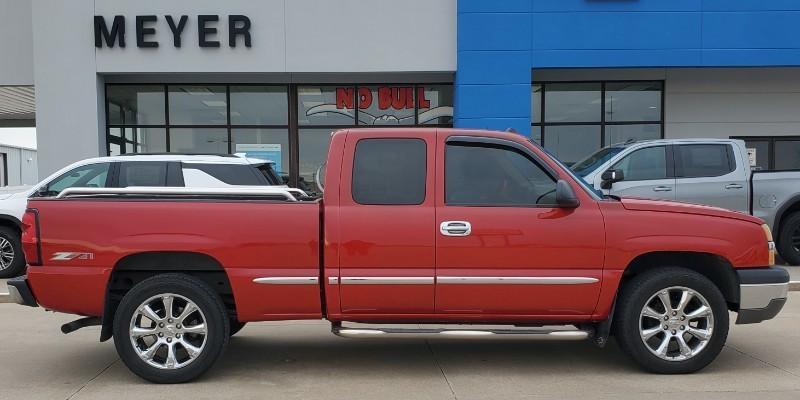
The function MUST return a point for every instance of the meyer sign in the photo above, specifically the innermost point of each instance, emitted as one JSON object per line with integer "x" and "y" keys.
{"x": 238, "y": 26}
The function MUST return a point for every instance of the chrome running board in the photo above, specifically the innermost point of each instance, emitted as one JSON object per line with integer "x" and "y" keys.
{"x": 451, "y": 333}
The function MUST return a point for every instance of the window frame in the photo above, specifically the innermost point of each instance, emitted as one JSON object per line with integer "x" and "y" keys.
{"x": 473, "y": 141}
{"x": 424, "y": 180}
{"x": 679, "y": 166}
{"x": 110, "y": 178}
{"x": 542, "y": 124}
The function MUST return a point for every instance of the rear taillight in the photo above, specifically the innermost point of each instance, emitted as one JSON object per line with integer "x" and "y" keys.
{"x": 31, "y": 244}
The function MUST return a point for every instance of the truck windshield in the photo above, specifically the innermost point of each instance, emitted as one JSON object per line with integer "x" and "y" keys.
{"x": 596, "y": 159}
{"x": 591, "y": 190}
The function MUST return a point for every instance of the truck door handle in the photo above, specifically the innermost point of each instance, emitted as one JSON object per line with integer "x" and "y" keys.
{"x": 662, "y": 189}
{"x": 733, "y": 186}
{"x": 455, "y": 228}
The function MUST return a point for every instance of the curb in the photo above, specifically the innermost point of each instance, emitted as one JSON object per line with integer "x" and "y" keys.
{"x": 5, "y": 298}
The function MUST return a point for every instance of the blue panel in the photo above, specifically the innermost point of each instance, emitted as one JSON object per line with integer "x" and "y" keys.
{"x": 494, "y": 67}
{"x": 747, "y": 30}
{"x": 615, "y": 5}
{"x": 616, "y": 30}
{"x": 492, "y": 101}
{"x": 521, "y": 125}
{"x": 482, "y": 31}
{"x": 750, "y": 5}
{"x": 751, "y": 57}
{"x": 616, "y": 58}
{"x": 471, "y": 6}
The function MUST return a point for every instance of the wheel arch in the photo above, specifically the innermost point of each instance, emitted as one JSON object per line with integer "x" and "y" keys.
{"x": 11, "y": 222}
{"x": 714, "y": 267}
{"x": 788, "y": 208}
{"x": 134, "y": 268}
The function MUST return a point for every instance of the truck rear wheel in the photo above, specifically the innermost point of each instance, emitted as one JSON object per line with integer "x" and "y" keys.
{"x": 789, "y": 239}
{"x": 12, "y": 260}
{"x": 170, "y": 328}
{"x": 671, "y": 320}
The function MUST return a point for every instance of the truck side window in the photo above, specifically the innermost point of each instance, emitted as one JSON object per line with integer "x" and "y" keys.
{"x": 92, "y": 175}
{"x": 216, "y": 175}
{"x": 142, "y": 173}
{"x": 389, "y": 171}
{"x": 703, "y": 160}
{"x": 644, "y": 164}
{"x": 494, "y": 176}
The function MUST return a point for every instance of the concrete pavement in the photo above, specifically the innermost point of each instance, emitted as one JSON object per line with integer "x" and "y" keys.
{"x": 302, "y": 360}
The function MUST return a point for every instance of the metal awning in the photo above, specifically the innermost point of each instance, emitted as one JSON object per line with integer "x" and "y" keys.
{"x": 17, "y": 106}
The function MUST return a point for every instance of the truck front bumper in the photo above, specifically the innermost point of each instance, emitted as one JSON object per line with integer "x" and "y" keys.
{"x": 762, "y": 293}
{"x": 20, "y": 292}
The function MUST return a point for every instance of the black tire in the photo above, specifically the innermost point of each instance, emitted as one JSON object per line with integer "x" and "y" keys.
{"x": 216, "y": 321}
{"x": 17, "y": 265}
{"x": 786, "y": 248}
{"x": 633, "y": 297}
{"x": 236, "y": 326}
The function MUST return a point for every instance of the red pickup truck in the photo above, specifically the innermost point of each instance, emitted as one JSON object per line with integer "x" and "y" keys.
{"x": 461, "y": 229}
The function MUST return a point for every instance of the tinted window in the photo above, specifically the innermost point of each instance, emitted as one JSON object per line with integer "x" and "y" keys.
{"x": 142, "y": 173}
{"x": 496, "y": 176}
{"x": 644, "y": 164}
{"x": 787, "y": 154}
{"x": 703, "y": 160}
{"x": 231, "y": 174}
{"x": 589, "y": 164}
{"x": 93, "y": 175}
{"x": 389, "y": 171}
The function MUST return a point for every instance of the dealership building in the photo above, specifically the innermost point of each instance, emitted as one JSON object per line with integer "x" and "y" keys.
{"x": 277, "y": 76}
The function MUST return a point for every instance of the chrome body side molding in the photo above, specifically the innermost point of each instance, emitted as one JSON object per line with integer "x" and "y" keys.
{"x": 288, "y": 280}
{"x": 515, "y": 280}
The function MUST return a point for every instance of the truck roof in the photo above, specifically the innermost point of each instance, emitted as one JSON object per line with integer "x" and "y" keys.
{"x": 671, "y": 141}
{"x": 189, "y": 158}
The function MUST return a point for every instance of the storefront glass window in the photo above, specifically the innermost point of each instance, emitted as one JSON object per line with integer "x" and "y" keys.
{"x": 386, "y": 105}
{"x": 259, "y": 105}
{"x": 787, "y": 154}
{"x": 436, "y": 104}
{"x": 271, "y": 144}
{"x": 197, "y": 105}
{"x": 633, "y": 101}
{"x": 313, "y": 146}
{"x": 603, "y": 112}
{"x": 198, "y": 140}
{"x": 135, "y": 105}
{"x": 326, "y": 105}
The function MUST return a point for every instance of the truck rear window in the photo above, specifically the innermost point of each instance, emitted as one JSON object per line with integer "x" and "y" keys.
{"x": 389, "y": 172}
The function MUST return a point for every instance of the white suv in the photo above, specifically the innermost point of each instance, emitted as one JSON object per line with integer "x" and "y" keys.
{"x": 168, "y": 170}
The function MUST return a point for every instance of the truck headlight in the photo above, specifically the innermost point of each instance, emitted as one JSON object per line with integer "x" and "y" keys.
{"x": 770, "y": 243}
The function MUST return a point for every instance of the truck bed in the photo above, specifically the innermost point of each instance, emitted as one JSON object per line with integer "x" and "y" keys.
{"x": 250, "y": 238}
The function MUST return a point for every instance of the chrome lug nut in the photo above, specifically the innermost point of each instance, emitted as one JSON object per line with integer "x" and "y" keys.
{"x": 169, "y": 340}
{"x": 683, "y": 327}
{"x": 673, "y": 332}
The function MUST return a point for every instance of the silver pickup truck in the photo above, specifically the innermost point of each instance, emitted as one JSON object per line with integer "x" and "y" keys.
{"x": 715, "y": 172}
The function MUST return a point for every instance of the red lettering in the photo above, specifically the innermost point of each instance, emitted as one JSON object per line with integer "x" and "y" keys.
{"x": 364, "y": 98}
{"x": 409, "y": 97}
{"x": 384, "y": 97}
{"x": 344, "y": 97}
{"x": 421, "y": 100}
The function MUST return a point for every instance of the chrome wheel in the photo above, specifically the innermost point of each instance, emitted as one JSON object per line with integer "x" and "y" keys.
{"x": 6, "y": 253}
{"x": 168, "y": 331}
{"x": 676, "y": 323}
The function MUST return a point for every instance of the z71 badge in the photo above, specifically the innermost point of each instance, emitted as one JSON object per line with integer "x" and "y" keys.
{"x": 70, "y": 255}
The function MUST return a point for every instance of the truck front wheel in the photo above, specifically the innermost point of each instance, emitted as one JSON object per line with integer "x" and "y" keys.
{"x": 671, "y": 320}
{"x": 789, "y": 239}
{"x": 170, "y": 328}
{"x": 12, "y": 260}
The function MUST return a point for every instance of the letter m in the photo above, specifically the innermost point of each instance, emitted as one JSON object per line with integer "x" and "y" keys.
{"x": 101, "y": 31}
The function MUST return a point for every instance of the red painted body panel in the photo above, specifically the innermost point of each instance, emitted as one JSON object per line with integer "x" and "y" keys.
{"x": 256, "y": 239}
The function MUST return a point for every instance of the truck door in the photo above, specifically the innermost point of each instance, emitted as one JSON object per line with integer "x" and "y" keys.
{"x": 387, "y": 214}
{"x": 502, "y": 245}
{"x": 707, "y": 174}
{"x": 648, "y": 174}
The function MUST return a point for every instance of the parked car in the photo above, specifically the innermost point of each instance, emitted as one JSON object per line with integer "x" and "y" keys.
{"x": 416, "y": 226}
{"x": 715, "y": 172}
{"x": 174, "y": 170}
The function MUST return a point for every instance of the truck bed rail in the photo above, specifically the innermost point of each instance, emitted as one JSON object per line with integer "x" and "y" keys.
{"x": 269, "y": 193}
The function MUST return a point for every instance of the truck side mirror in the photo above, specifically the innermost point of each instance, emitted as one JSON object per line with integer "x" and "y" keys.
{"x": 565, "y": 195}
{"x": 609, "y": 177}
